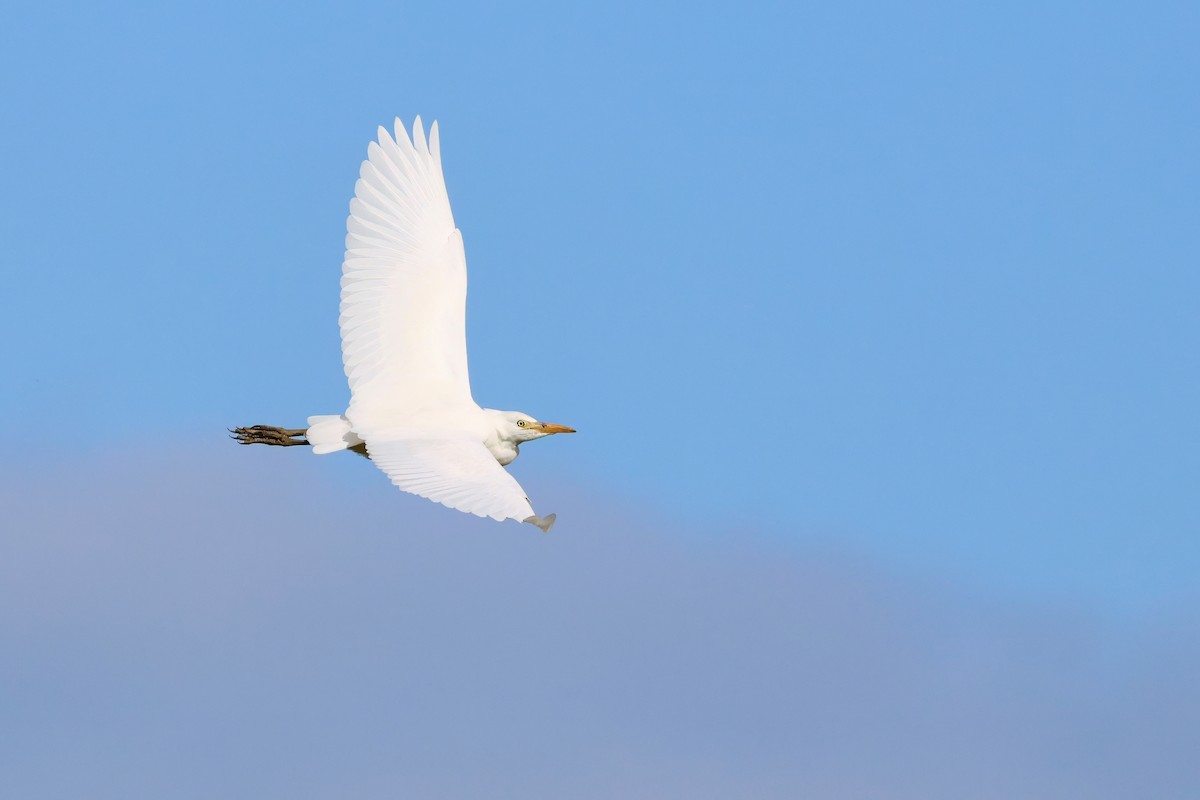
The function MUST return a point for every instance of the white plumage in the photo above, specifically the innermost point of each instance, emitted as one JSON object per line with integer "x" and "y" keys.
{"x": 404, "y": 347}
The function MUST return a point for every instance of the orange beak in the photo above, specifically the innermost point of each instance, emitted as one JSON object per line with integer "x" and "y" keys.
{"x": 550, "y": 427}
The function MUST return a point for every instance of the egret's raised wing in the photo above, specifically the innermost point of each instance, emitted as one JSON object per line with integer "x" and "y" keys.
{"x": 404, "y": 285}
{"x": 456, "y": 471}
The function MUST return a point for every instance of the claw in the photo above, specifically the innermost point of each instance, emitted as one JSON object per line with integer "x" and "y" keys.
{"x": 268, "y": 434}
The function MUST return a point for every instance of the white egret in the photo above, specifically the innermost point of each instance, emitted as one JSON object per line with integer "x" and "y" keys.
{"x": 404, "y": 346}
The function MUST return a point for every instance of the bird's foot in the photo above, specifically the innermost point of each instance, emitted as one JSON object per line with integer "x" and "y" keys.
{"x": 268, "y": 434}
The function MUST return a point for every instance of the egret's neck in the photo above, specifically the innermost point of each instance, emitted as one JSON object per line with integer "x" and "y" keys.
{"x": 505, "y": 451}
{"x": 500, "y": 441}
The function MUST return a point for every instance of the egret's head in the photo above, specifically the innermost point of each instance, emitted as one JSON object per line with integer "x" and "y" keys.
{"x": 524, "y": 428}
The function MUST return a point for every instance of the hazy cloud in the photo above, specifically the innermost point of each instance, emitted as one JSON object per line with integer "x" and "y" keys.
{"x": 251, "y": 624}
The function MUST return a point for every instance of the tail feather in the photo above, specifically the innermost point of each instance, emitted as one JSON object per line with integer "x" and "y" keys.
{"x": 329, "y": 433}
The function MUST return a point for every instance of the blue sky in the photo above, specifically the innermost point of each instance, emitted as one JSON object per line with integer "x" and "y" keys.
{"x": 885, "y": 310}
{"x": 921, "y": 279}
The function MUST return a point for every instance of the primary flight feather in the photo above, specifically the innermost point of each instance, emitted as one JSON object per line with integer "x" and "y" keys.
{"x": 404, "y": 345}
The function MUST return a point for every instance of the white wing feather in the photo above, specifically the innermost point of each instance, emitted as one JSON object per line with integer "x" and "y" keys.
{"x": 404, "y": 341}
{"x": 404, "y": 286}
{"x": 458, "y": 472}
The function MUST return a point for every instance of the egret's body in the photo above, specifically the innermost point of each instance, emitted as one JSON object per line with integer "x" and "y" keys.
{"x": 403, "y": 324}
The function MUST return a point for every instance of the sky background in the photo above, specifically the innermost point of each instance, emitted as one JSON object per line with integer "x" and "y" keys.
{"x": 877, "y": 323}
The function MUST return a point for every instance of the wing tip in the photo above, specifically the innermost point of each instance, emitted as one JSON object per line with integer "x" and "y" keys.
{"x": 401, "y": 133}
{"x": 418, "y": 137}
{"x": 545, "y": 523}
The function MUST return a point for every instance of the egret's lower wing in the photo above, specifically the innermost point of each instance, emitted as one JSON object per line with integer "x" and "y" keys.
{"x": 456, "y": 472}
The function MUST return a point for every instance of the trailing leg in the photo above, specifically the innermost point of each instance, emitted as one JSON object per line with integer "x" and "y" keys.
{"x": 268, "y": 434}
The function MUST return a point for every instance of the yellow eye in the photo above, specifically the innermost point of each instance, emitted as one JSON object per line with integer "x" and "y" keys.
{"x": 520, "y": 423}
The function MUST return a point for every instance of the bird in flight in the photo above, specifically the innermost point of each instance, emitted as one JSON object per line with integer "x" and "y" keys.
{"x": 404, "y": 346}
